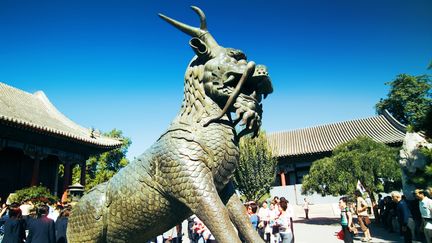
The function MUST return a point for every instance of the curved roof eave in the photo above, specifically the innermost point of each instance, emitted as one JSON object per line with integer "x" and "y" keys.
{"x": 36, "y": 113}
{"x": 324, "y": 138}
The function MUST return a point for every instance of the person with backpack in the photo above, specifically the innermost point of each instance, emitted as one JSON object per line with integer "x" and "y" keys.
{"x": 346, "y": 220}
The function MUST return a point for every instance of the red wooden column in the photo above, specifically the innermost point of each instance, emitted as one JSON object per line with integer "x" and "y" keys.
{"x": 282, "y": 178}
{"x": 35, "y": 174}
{"x": 37, "y": 155}
{"x": 67, "y": 175}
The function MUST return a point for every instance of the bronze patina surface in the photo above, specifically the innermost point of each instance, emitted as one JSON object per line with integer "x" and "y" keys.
{"x": 189, "y": 168}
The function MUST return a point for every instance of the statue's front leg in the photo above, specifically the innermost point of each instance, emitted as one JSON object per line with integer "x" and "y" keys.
{"x": 238, "y": 214}
{"x": 197, "y": 191}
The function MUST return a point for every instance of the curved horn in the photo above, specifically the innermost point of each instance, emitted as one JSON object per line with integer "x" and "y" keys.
{"x": 201, "y": 32}
{"x": 187, "y": 29}
{"x": 203, "y": 24}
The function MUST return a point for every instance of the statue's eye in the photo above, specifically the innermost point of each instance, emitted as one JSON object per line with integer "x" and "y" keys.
{"x": 239, "y": 56}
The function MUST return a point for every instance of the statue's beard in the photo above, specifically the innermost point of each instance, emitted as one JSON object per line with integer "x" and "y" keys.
{"x": 247, "y": 109}
{"x": 249, "y": 112}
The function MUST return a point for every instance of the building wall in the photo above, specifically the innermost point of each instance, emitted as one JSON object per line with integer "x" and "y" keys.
{"x": 47, "y": 173}
{"x": 16, "y": 171}
{"x": 295, "y": 167}
{"x": 293, "y": 194}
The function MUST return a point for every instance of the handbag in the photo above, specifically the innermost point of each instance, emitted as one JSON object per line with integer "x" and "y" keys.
{"x": 340, "y": 235}
{"x": 367, "y": 220}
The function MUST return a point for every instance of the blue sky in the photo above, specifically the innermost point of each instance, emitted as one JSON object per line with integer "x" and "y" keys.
{"x": 116, "y": 64}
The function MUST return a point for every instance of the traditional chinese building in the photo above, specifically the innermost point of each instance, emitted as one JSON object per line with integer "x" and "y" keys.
{"x": 296, "y": 150}
{"x": 35, "y": 138}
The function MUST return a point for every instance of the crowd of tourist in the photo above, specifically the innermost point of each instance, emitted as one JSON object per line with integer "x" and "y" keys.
{"x": 26, "y": 222}
{"x": 47, "y": 223}
{"x": 412, "y": 219}
{"x": 273, "y": 221}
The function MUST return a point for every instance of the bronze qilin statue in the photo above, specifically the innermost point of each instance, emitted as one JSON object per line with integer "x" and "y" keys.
{"x": 189, "y": 168}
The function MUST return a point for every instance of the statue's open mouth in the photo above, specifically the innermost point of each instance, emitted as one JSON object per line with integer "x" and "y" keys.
{"x": 246, "y": 92}
{"x": 256, "y": 86}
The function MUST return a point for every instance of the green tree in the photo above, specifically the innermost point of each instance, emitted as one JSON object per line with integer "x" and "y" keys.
{"x": 359, "y": 159}
{"x": 409, "y": 100}
{"x": 102, "y": 167}
{"x": 257, "y": 167}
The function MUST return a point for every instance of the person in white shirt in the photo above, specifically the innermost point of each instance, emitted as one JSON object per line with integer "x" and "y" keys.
{"x": 306, "y": 208}
{"x": 290, "y": 213}
{"x": 425, "y": 206}
{"x": 264, "y": 217}
{"x": 55, "y": 213}
{"x": 26, "y": 207}
{"x": 284, "y": 223}
{"x": 274, "y": 215}
{"x": 264, "y": 212}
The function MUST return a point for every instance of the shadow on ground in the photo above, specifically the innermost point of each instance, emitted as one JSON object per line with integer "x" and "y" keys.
{"x": 379, "y": 234}
{"x": 318, "y": 221}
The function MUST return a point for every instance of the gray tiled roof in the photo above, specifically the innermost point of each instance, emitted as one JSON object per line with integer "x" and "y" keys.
{"x": 35, "y": 112}
{"x": 383, "y": 128}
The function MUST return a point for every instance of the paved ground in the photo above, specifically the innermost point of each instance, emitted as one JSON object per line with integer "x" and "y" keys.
{"x": 324, "y": 224}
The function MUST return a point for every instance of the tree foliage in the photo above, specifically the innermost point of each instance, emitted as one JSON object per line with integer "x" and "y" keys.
{"x": 37, "y": 194}
{"x": 257, "y": 167}
{"x": 409, "y": 100}
{"x": 101, "y": 168}
{"x": 359, "y": 159}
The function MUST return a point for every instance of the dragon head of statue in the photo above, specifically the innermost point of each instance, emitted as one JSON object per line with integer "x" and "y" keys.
{"x": 227, "y": 77}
